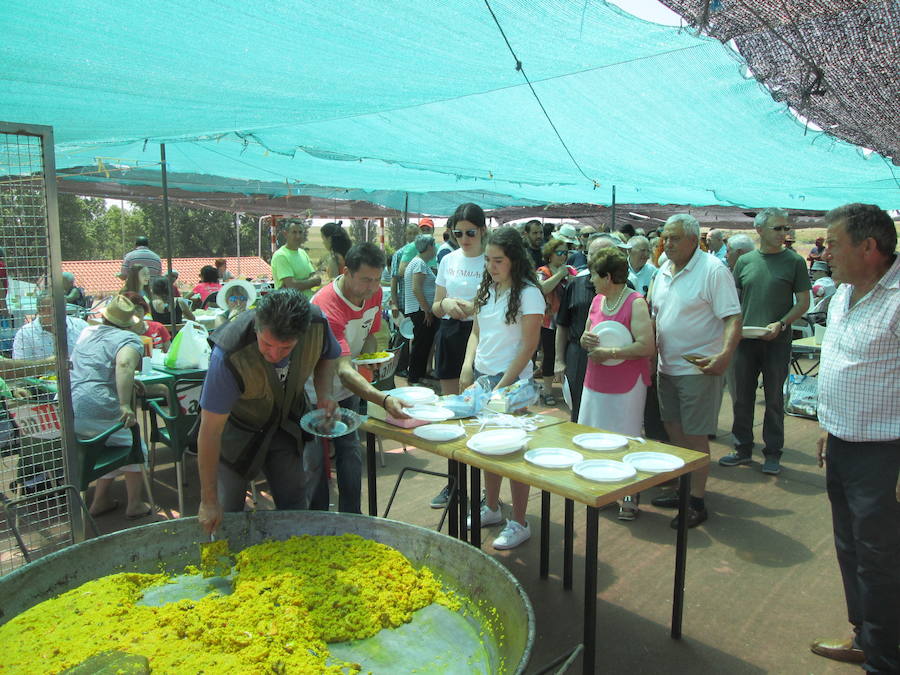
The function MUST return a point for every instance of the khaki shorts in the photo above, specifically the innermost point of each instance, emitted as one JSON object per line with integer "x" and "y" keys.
{"x": 693, "y": 401}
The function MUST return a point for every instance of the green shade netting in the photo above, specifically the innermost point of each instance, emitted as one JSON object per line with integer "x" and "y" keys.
{"x": 373, "y": 100}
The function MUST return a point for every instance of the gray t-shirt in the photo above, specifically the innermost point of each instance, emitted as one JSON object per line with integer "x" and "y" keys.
{"x": 95, "y": 401}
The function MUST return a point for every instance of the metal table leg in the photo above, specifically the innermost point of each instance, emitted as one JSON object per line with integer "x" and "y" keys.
{"x": 463, "y": 500}
{"x": 453, "y": 528}
{"x": 475, "y": 509}
{"x": 568, "y": 536}
{"x": 545, "y": 534}
{"x": 591, "y": 542}
{"x": 370, "y": 471}
{"x": 684, "y": 491}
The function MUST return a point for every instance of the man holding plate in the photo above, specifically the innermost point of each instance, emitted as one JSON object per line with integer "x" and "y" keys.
{"x": 698, "y": 324}
{"x": 774, "y": 289}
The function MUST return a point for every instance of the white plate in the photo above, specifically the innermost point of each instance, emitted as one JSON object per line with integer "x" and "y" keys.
{"x": 414, "y": 395}
{"x": 500, "y": 439}
{"x": 600, "y": 442}
{"x": 553, "y": 458}
{"x": 612, "y": 334}
{"x": 486, "y": 450}
{"x": 429, "y": 413}
{"x": 653, "y": 462}
{"x": 604, "y": 470}
{"x": 439, "y": 432}
{"x": 369, "y": 362}
{"x": 753, "y": 331}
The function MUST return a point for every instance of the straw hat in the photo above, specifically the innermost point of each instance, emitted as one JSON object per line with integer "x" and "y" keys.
{"x": 120, "y": 312}
{"x": 239, "y": 285}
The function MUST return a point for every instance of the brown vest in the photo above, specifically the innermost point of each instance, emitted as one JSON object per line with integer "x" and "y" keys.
{"x": 266, "y": 405}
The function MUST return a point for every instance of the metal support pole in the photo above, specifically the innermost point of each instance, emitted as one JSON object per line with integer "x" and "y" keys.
{"x": 166, "y": 228}
{"x": 612, "y": 211}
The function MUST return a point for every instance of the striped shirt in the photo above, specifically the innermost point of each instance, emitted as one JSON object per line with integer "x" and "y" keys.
{"x": 142, "y": 255}
{"x": 417, "y": 266}
{"x": 859, "y": 372}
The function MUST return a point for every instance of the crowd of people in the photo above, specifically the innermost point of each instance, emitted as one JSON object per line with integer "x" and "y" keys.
{"x": 535, "y": 302}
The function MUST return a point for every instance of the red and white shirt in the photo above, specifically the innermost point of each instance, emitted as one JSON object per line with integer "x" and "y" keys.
{"x": 351, "y": 325}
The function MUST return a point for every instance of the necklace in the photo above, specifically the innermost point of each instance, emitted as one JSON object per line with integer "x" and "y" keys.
{"x": 607, "y": 309}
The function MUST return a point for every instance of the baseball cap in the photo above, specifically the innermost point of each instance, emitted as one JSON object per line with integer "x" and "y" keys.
{"x": 567, "y": 233}
{"x": 426, "y": 222}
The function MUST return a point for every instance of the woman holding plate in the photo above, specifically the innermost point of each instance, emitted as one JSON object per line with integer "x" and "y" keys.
{"x": 509, "y": 309}
{"x": 618, "y": 338}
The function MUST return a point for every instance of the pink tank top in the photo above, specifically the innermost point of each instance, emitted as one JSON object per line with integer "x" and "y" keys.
{"x": 618, "y": 379}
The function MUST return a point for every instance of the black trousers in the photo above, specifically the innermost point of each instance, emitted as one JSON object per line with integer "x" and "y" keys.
{"x": 548, "y": 347}
{"x": 861, "y": 479}
{"x": 576, "y": 367}
{"x": 423, "y": 338}
{"x": 752, "y": 358}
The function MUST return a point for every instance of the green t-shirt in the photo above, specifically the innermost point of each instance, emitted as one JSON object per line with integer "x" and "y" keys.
{"x": 295, "y": 264}
{"x": 767, "y": 284}
{"x": 408, "y": 252}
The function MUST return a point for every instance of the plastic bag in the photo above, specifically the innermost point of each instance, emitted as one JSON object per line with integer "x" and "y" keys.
{"x": 190, "y": 348}
{"x": 514, "y": 397}
{"x": 801, "y": 396}
{"x": 471, "y": 401}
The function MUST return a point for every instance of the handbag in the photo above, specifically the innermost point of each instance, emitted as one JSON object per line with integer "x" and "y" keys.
{"x": 801, "y": 396}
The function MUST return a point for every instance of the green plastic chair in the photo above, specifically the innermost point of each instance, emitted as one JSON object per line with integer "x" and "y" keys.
{"x": 173, "y": 434}
{"x": 96, "y": 458}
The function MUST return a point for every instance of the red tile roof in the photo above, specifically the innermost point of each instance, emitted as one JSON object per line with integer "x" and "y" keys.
{"x": 98, "y": 277}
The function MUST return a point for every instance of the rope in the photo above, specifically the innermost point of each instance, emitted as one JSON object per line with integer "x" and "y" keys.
{"x": 537, "y": 98}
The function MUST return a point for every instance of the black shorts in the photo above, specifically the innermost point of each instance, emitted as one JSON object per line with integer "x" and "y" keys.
{"x": 450, "y": 347}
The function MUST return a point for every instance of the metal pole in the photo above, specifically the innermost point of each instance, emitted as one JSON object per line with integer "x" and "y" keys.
{"x": 237, "y": 232}
{"x": 612, "y": 211}
{"x": 165, "y": 188}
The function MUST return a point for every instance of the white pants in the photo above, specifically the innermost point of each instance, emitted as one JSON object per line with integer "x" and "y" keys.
{"x": 619, "y": 413}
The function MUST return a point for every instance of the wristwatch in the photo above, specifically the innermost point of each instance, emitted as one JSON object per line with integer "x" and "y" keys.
{"x": 783, "y": 326}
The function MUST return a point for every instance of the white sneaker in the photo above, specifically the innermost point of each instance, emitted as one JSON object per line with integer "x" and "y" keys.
{"x": 512, "y": 535}
{"x": 488, "y": 517}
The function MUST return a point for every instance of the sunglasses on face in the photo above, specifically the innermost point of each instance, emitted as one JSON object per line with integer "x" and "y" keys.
{"x": 561, "y": 251}
{"x": 237, "y": 298}
{"x": 586, "y": 235}
{"x": 469, "y": 233}
{"x": 782, "y": 228}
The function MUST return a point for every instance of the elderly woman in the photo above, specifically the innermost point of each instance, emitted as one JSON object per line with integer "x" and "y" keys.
{"x": 103, "y": 366}
{"x": 640, "y": 270}
{"x": 554, "y": 276}
{"x": 615, "y": 385}
{"x": 418, "y": 296}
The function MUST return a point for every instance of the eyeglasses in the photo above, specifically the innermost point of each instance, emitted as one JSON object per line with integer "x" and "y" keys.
{"x": 782, "y": 228}
{"x": 469, "y": 233}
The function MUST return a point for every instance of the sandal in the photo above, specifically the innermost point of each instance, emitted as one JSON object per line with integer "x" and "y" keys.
{"x": 548, "y": 399}
{"x": 111, "y": 506}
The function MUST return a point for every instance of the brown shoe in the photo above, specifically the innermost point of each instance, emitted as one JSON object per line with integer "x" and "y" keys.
{"x": 838, "y": 650}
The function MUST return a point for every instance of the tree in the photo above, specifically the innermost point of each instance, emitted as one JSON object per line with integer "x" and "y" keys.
{"x": 363, "y": 229}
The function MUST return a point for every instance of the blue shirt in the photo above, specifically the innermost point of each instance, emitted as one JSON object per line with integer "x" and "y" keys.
{"x": 221, "y": 390}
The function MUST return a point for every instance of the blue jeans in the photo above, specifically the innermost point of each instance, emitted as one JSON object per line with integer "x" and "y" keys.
{"x": 752, "y": 357}
{"x": 347, "y": 465}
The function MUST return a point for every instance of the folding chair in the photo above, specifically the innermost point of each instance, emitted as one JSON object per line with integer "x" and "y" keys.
{"x": 97, "y": 459}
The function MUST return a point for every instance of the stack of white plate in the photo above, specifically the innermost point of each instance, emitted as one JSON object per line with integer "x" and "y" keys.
{"x": 415, "y": 395}
{"x": 600, "y": 442}
{"x": 498, "y": 441}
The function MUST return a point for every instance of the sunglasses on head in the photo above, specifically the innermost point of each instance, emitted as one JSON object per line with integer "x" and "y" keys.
{"x": 469, "y": 233}
{"x": 782, "y": 228}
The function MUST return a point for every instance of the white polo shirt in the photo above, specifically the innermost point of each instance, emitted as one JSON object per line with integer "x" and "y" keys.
{"x": 689, "y": 309}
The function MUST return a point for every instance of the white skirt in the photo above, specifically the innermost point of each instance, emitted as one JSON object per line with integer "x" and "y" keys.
{"x": 619, "y": 413}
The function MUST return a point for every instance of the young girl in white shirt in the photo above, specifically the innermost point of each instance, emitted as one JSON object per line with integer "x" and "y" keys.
{"x": 509, "y": 308}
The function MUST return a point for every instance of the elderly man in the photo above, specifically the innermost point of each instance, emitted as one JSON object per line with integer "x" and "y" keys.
{"x": 291, "y": 267}
{"x": 738, "y": 245}
{"x": 35, "y": 340}
{"x": 640, "y": 270}
{"x": 253, "y": 397}
{"x": 578, "y": 257}
{"x": 715, "y": 242}
{"x": 426, "y": 226}
{"x": 859, "y": 409}
{"x": 773, "y": 286}
{"x": 570, "y": 358}
{"x": 74, "y": 294}
{"x": 697, "y": 314}
{"x": 352, "y": 303}
{"x": 141, "y": 255}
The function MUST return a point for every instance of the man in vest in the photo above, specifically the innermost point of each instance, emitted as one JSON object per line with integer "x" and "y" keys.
{"x": 253, "y": 398}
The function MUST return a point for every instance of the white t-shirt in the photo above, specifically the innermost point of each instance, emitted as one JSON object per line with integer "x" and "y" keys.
{"x": 689, "y": 309}
{"x": 460, "y": 276}
{"x": 498, "y": 341}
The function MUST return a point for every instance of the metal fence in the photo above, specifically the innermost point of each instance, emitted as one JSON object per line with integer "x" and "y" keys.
{"x": 33, "y": 330}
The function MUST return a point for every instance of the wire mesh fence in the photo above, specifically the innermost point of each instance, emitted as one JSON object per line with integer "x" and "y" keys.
{"x": 32, "y": 458}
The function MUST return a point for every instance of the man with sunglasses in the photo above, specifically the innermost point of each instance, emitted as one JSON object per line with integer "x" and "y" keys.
{"x": 578, "y": 256}
{"x": 773, "y": 286}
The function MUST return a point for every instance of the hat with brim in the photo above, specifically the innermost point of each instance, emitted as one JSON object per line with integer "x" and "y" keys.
{"x": 624, "y": 245}
{"x": 239, "y": 285}
{"x": 120, "y": 312}
{"x": 820, "y": 266}
{"x": 567, "y": 233}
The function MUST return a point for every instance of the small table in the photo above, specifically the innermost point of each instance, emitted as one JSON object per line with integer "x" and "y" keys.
{"x": 567, "y": 484}
{"x": 805, "y": 347}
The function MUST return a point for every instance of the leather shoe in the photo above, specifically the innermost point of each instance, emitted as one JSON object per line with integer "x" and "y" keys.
{"x": 838, "y": 650}
{"x": 694, "y": 518}
{"x": 666, "y": 501}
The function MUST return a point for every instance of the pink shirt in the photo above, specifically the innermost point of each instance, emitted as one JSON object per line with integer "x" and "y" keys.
{"x": 618, "y": 379}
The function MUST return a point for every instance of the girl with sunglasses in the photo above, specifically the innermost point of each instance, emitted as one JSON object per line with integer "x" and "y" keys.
{"x": 509, "y": 308}
{"x": 458, "y": 277}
